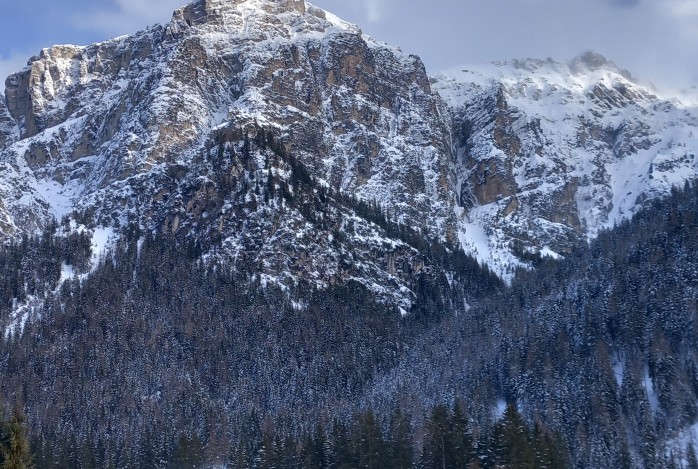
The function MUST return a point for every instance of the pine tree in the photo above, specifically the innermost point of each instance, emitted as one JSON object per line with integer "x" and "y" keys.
{"x": 436, "y": 444}
{"x": 311, "y": 455}
{"x": 15, "y": 451}
{"x": 289, "y": 453}
{"x": 512, "y": 441}
{"x": 401, "y": 440}
{"x": 460, "y": 439}
{"x": 266, "y": 454}
{"x": 239, "y": 458}
{"x": 344, "y": 456}
{"x": 370, "y": 444}
{"x": 691, "y": 458}
{"x": 189, "y": 453}
{"x": 3, "y": 438}
{"x": 548, "y": 451}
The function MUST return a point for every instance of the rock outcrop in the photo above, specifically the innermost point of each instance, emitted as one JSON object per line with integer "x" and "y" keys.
{"x": 7, "y": 124}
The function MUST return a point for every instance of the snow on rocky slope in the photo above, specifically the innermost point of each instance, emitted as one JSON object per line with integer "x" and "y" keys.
{"x": 550, "y": 153}
{"x": 130, "y": 129}
{"x": 155, "y": 128}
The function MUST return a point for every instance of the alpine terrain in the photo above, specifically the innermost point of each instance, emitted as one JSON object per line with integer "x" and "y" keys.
{"x": 257, "y": 237}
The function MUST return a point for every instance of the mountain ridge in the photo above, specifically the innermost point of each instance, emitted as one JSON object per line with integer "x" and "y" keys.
{"x": 87, "y": 126}
{"x": 575, "y": 152}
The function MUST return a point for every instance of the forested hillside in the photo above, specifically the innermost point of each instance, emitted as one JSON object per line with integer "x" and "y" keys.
{"x": 600, "y": 347}
{"x": 156, "y": 352}
{"x": 120, "y": 361}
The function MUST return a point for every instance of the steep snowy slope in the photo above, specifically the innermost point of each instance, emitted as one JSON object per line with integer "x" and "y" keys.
{"x": 550, "y": 153}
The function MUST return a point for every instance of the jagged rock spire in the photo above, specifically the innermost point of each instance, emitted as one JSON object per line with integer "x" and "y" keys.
{"x": 202, "y": 11}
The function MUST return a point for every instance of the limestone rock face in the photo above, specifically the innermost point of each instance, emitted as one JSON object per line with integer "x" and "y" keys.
{"x": 7, "y": 124}
{"x": 549, "y": 153}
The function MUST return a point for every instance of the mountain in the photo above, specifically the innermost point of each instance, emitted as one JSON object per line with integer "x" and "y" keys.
{"x": 511, "y": 160}
{"x": 171, "y": 129}
{"x": 551, "y": 153}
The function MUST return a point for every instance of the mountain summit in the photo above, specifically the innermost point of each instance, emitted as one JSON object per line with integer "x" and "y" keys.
{"x": 550, "y": 153}
{"x": 194, "y": 128}
{"x": 234, "y": 11}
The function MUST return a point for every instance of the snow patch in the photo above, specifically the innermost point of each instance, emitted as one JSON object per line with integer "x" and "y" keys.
{"x": 67, "y": 272}
{"x": 679, "y": 445}
{"x": 103, "y": 238}
{"x": 547, "y": 252}
{"x": 20, "y": 315}
{"x": 499, "y": 409}
{"x": 58, "y": 197}
{"x": 651, "y": 393}
{"x": 618, "y": 369}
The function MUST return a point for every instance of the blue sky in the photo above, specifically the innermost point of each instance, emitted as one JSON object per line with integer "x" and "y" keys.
{"x": 656, "y": 40}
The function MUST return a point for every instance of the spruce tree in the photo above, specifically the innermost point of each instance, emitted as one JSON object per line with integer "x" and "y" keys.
{"x": 401, "y": 440}
{"x": 15, "y": 450}
{"x": 189, "y": 453}
{"x": 344, "y": 455}
{"x": 460, "y": 439}
{"x": 311, "y": 454}
{"x": 691, "y": 458}
{"x": 512, "y": 441}
{"x": 436, "y": 444}
{"x": 370, "y": 444}
{"x": 266, "y": 453}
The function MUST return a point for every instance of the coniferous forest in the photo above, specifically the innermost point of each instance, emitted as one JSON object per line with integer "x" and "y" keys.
{"x": 159, "y": 358}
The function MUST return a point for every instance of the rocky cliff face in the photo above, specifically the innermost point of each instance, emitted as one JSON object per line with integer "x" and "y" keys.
{"x": 550, "y": 153}
{"x": 7, "y": 124}
{"x": 357, "y": 114}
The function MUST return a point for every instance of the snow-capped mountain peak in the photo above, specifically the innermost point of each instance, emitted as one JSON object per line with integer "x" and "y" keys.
{"x": 132, "y": 130}
{"x": 261, "y": 19}
{"x": 591, "y": 61}
{"x": 551, "y": 152}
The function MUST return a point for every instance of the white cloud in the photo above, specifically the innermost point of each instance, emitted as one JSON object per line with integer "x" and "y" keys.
{"x": 684, "y": 8}
{"x": 685, "y": 14}
{"x": 128, "y": 16}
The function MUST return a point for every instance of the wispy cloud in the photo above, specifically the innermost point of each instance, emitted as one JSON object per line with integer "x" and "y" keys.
{"x": 685, "y": 14}
{"x": 684, "y": 8}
